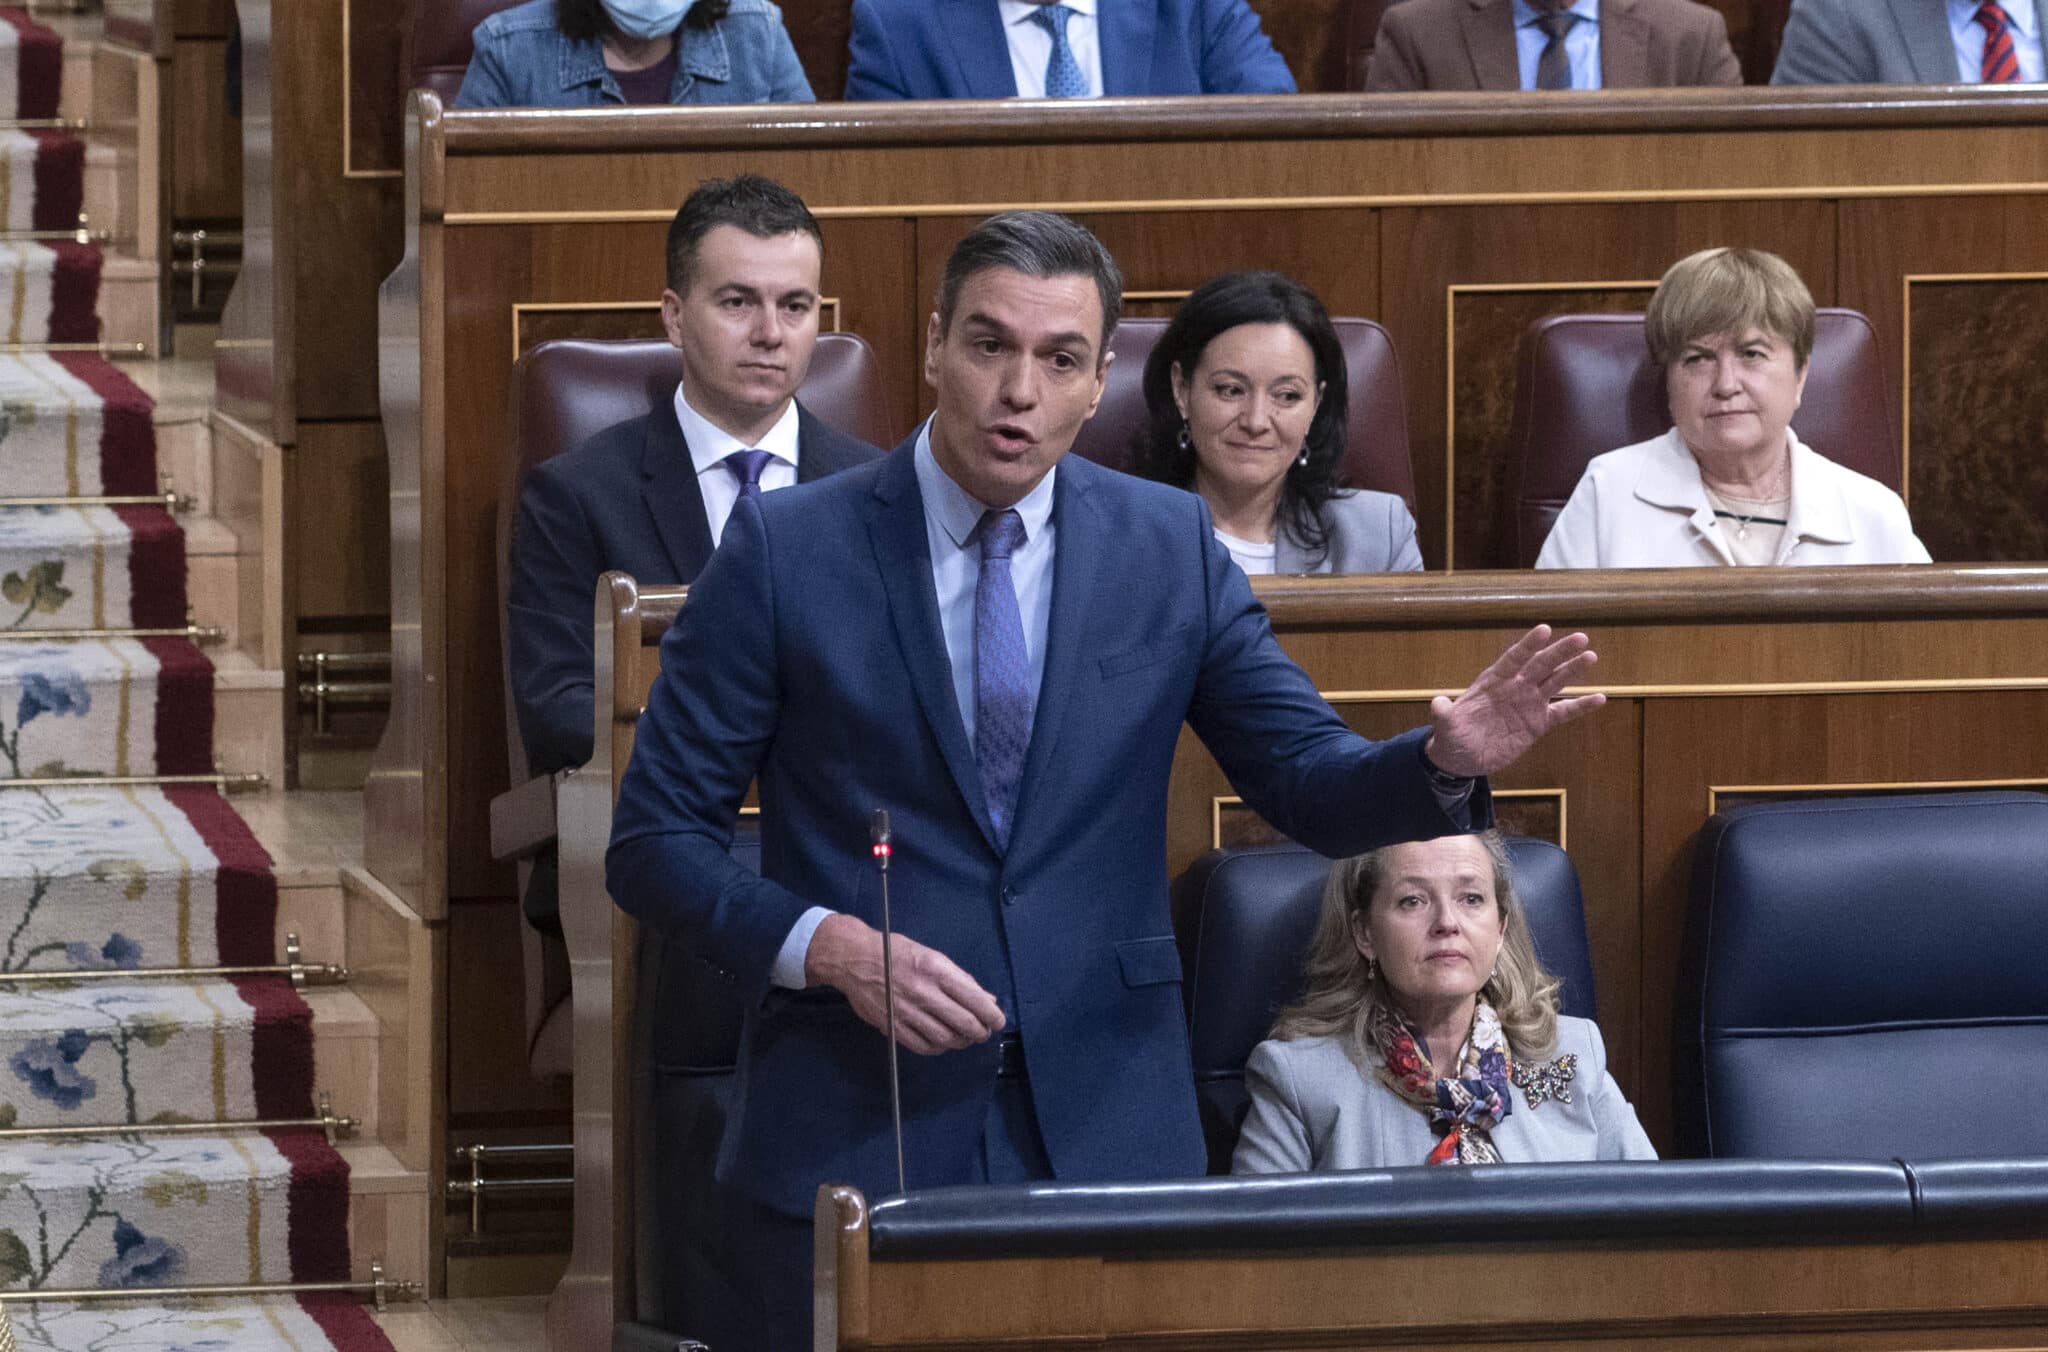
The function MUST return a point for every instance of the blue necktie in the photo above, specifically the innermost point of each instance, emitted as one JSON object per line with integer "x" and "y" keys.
{"x": 746, "y": 466}
{"x": 1554, "y": 67}
{"x": 1002, "y": 672}
{"x": 1063, "y": 78}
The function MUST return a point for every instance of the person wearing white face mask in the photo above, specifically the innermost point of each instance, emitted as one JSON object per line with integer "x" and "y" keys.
{"x": 599, "y": 53}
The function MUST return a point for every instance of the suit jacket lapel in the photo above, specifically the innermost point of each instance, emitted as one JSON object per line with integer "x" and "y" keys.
{"x": 1923, "y": 30}
{"x": 668, "y": 483}
{"x": 902, "y": 553}
{"x": 1124, "y": 31}
{"x": 1076, "y": 569}
{"x": 820, "y": 449}
{"x": 1490, "y": 42}
{"x": 1624, "y": 46}
{"x": 980, "y": 49}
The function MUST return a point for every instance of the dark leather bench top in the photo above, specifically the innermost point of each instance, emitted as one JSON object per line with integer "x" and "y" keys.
{"x": 1678, "y": 1200}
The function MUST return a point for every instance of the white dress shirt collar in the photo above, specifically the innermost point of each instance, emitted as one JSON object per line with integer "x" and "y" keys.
{"x": 1031, "y": 46}
{"x": 710, "y": 444}
{"x": 959, "y": 512}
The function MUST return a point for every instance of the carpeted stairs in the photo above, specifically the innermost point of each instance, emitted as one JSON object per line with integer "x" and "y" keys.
{"x": 105, "y": 886}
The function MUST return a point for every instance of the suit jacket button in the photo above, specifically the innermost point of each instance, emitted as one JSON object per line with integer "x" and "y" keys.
{"x": 1009, "y": 896}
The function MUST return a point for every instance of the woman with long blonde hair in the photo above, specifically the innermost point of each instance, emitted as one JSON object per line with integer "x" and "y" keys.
{"x": 1429, "y": 1033}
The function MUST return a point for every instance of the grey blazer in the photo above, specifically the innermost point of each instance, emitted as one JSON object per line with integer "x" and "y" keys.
{"x": 1314, "y": 1109}
{"x": 1871, "y": 42}
{"x": 1369, "y": 533}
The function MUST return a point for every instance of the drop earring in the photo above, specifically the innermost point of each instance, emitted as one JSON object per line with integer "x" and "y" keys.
{"x": 1187, "y": 442}
{"x": 1302, "y": 459}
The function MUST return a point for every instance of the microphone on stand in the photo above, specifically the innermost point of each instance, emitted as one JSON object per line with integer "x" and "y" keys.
{"x": 878, "y": 832}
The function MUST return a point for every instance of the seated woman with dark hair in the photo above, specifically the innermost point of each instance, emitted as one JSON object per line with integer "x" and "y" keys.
{"x": 1430, "y": 1032}
{"x": 1247, "y": 401}
{"x": 596, "y": 53}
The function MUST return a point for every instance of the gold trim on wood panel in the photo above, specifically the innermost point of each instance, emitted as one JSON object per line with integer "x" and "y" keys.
{"x": 524, "y": 307}
{"x": 1222, "y": 800}
{"x": 1714, "y": 791}
{"x": 1451, "y": 294}
{"x": 1468, "y": 199}
{"x": 1955, "y": 684}
{"x": 1906, "y": 356}
{"x": 1181, "y": 294}
{"x": 348, "y": 169}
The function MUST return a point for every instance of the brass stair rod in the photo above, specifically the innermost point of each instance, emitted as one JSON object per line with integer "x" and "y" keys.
{"x": 202, "y": 634}
{"x": 301, "y": 972}
{"x": 379, "y": 1288}
{"x": 58, "y": 236}
{"x": 103, "y": 349}
{"x": 220, "y": 779}
{"x": 333, "y": 1127}
{"x": 170, "y": 502}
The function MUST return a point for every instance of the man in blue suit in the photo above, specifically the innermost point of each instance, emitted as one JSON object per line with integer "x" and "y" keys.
{"x": 1001, "y": 49}
{"x": 1000, "y": 647}
{"x": 651, "y": 495}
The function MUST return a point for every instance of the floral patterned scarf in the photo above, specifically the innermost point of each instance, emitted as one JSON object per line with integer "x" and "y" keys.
{"x": 1463, "y": 1109}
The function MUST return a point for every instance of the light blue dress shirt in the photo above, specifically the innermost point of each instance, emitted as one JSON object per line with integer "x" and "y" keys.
{"x": 951, "y": 515}
{"x": 1581, "y": 45}
{"x": 1970, "y": 35}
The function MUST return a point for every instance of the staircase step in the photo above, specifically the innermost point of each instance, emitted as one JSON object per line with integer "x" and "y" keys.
{"x": 263, "y": 1324}
{"x": 310, "y": 837}
{"x": 118, "y": 1053}
{"x": 149, "y": 1210}
{"x": 131, "y": 304}
{"x": 248, "y": 726}
{"x": 388, "y": 1212}
{"x": 105, "y": 707}
{"x": 73, "y": 424}
{"x": 91, "y": 568}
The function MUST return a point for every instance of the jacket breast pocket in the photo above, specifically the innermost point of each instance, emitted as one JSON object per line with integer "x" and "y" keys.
{"x": 1149, "y": 962}
{"x": 1146, "y": 654}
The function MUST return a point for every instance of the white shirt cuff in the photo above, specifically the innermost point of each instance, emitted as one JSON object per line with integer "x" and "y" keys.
{"x": 788, "y": 970}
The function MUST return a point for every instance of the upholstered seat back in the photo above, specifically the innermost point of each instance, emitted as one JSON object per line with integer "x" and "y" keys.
{"x": 437, "y": 45}
{"x": 1375, "y": 435}
{"x": 1863, "y": 977}
{"x": 1584, "y": 385}
{"x": 1246, "y": 917}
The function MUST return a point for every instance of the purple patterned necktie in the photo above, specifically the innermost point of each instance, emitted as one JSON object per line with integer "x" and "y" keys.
{"x": 1002, "y": 675}
{"x": 746, "y": 466}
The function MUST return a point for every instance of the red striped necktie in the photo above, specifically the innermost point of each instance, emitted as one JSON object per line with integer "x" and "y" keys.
{"x": 2001, "y": 62}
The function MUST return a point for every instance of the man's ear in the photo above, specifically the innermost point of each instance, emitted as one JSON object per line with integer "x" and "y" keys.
{"x": 1101, "y": 381}
{"x": 934, "y": 340}
{"x": 672, "y": 317}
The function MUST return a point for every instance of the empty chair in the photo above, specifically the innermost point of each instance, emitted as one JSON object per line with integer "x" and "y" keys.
{"x": 1245, "y": 918}
{"x": 1585, "y": 385}
{"x": 1375, "y": 438}
{"x": 1862, "y": 977}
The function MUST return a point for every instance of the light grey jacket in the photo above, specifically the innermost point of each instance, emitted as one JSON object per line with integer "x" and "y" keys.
{"x": 1872, "y": 42}
{"x": 1313, "y": 1109}
{"x": 1369, "y": 533}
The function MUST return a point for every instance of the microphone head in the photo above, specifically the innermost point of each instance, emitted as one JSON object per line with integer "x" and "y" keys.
{"x": 878, "y": 826}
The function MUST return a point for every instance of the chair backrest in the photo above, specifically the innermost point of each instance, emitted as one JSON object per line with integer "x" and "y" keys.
{"x": 1246, "y": 917}
{"x": 1863, "y": 977}
{"x": 1375, "y": 435}
{"x": 1584, "y": 385}
{"x": 436, "y": 47}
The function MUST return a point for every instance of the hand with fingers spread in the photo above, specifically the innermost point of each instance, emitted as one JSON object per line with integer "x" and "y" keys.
{"x": 939, "y": 1008}
{"x": 1511, "y": 704}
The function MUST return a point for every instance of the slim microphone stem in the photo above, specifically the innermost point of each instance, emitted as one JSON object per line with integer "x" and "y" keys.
{"x": 879, "y": 829}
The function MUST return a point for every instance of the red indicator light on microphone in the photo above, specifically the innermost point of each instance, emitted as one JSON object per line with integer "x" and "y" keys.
{"x": 881, "y": 849}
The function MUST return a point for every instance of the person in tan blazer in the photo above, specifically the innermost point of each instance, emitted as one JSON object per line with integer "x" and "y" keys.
{"x": 1472, "y": 45}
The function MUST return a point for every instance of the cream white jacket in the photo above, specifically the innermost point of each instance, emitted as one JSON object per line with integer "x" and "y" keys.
{"x": 1644, "y": 506}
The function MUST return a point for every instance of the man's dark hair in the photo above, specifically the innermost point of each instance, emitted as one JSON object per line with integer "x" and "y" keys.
{"x": 1037, "y": 244}
{"x": 586, "y": 21}
{"x": 760, "y": 206}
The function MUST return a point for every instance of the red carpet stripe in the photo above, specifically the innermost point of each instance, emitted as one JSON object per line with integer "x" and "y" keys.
{"x": 184, "y": 707}
{"x": 156, "y": 567}
{"x": 347, "y": 1323}
{"x": 127, "y": 423}
{"x": 318, "y": 1230}
{"x": 283, "y": 1047}
{"x": 41, "y": 71}
{"x": 245, "y": 886}
{"x": 75, "y": 294}
{"x": 59, "y": 180}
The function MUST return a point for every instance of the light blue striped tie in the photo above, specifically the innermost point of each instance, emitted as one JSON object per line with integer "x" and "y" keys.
{"x": 1062, "y": 72}
{"x": 1002, "y": 673}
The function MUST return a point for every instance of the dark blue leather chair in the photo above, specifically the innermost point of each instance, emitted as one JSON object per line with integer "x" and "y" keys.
{"x": 1863, "y": 977}
{"x": 1245, "y": 918}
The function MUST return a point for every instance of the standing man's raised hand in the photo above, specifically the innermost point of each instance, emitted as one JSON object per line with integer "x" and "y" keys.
{"x": 1511, "y": 704}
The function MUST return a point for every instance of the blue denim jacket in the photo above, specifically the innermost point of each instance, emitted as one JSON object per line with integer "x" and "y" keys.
{"x": 521, "y": 60}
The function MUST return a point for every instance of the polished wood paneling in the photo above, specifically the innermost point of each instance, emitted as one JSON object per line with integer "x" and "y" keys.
{"x": 1980, "y": 481}
{"x": 603, "y": 323}
{"x": 374, "y": 88}
{"x": 488, "y": 1084}
{"x": 341, "y": 498}
{"x": 206, "y": 144}
{"x": 1312, "y": 37}
{"x": 1426, "y": 253}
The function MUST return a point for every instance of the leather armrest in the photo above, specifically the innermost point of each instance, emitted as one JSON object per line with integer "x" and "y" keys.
{"x": 523, "y": 818}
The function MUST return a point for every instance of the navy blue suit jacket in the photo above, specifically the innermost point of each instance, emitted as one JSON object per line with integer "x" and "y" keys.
{"x": 810, "y": 653}
{"x": 627, "y": 498}
{"x": 955, "y": 49}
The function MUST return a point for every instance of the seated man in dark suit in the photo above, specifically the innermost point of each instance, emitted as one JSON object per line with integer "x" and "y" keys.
{"x": 1001, "y": 49}
{"x": 1550, "y": 44}
{"x": 651, "y": 495}
{"x": 1914, "y": 42}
